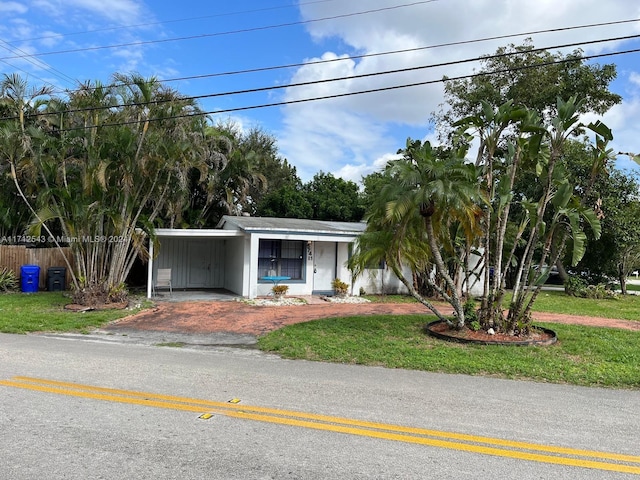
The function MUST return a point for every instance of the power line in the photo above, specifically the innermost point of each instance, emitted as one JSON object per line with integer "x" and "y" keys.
{"x": 28, "y": 74}
{"x": 37, "y": 63}
{"x": 392, "y": 52}
{"x": 361, "y": 92}
{"x": 179, "y": 20}
{"x": 409, "y": 85}
{"x": 217, "y": 34}
{"x": 351, "y": 77}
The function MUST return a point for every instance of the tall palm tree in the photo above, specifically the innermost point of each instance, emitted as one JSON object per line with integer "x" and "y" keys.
{"x": 424, "y": 193}
{"x": 116, "y": 158}
{"x": 18, "y": 138}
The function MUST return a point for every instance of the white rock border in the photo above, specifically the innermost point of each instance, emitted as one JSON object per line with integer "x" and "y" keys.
{"x": 347, "y": 299}
{"x": 271, "y": 302}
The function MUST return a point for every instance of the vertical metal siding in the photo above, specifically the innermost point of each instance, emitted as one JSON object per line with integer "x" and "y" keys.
{"x": 176, "y": 254}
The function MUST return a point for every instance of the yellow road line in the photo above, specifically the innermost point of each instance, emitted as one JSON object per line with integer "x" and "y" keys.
{"x": 341, "y": 425}
{"x": 344, "y": 421}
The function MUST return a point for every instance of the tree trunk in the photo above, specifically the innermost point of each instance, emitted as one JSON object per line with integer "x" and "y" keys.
{"x": 623, "y": 280}
{"x": 455, "y": 301}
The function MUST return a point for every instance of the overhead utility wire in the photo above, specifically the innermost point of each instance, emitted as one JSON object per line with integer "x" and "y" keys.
{"x": 217, "y": 34}
{"x": 27, "y": 73}
{"x": 38, "y": 64}
{"x": 178, "y": 20}
{"x": 383, "y": 89}
{"x": 393, "y": 52}
{"x": 336, "y": 79}
{"x": 360, "y": 92}
{"x": 398, "y": 70}
{"x": 377, "y": 54}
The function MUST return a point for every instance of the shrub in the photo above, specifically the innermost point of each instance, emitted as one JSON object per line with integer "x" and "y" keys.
{"x": 599, "y": 292}
{"x": 8, "y": 280}
{"x": 340, "y": 287}
{"x": 575, "y": 287}
{"x": 578, "y": 287}
{"x": 279, "y": 290}
{"x": 470, "y": 312}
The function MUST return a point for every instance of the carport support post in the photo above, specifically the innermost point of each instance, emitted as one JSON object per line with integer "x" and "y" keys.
{"x": 254, "y": 247}
{"x": 150, "y": 270}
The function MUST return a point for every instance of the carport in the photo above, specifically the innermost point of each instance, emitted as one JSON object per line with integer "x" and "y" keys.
{"x": 199, "y": 259}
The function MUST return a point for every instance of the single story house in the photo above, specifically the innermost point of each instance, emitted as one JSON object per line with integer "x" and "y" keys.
{"x": 248, "y": 255}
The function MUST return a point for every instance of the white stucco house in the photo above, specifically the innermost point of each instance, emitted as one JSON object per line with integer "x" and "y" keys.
{"x": 248, "y": 255}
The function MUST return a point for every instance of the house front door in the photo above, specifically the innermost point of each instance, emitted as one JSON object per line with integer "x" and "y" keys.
{"x": 324, "y": 267}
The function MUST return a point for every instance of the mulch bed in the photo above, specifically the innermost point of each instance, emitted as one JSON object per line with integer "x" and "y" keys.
{"x": 538, "y": 336}
{"x": 74, "y": 307}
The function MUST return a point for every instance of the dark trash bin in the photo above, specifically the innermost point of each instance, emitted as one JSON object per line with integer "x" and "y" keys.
{"x": 56, "y": 278}
{"x": 29, "y": 278}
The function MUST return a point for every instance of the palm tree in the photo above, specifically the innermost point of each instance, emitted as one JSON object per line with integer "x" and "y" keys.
{"x": 425, "y": 192}
{"x": 513, "y": 142}
{"x": 18, "y": 142}
{"x": 558, "y": 212}
{"x": 114, "y": 159}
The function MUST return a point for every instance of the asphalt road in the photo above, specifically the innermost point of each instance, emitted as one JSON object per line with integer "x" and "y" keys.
{"x": 92, "y": 410}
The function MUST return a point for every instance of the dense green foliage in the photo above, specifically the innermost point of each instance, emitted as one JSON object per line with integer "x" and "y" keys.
{"x": 99, "y": 168}
{"x": 522, "y": 112}
{"x": 251, "y": 170}
{"x": 8, "y": 280}
{"x": 325, "y": 197}
{"x": 422, "y": 198}
{"x": 529, "y": 77}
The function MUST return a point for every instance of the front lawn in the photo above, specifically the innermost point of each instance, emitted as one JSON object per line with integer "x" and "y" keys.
{"x": 582, "y": 356}
{"x": 624, "y": 307}
{"x": 44, "y": 311}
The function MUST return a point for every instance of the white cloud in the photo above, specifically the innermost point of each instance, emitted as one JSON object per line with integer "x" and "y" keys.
{"x": 124, "y": 11}
{"x": 624, "y": 121}
{"x": 50, "y": 39}
{"x": 356, "y": 172}
{"x": 346, "y": 135}
{"x": 13, "y": 7}
{"x": 314, "y": 138}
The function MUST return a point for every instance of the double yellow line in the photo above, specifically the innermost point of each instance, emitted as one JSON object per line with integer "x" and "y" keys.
{"x": 455, "y": 441}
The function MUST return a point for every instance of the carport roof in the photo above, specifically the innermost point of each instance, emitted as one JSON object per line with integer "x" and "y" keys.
{"x": 196, "y": 232}
{"x": 291, "y": 225}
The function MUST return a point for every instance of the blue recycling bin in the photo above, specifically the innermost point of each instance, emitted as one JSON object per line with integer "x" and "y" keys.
{"x": 29, "y": 278}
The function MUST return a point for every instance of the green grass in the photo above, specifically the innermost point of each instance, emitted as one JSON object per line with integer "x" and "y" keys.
{"x": 625, "y": 307}
{"x": 390, "y": 298}
{"x": 632, "y": 287}
{"x": 582, "y": 356}
{"x": 44, "y": 311}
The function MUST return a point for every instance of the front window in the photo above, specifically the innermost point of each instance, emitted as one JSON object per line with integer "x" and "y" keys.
{"x": 282, "y": 258}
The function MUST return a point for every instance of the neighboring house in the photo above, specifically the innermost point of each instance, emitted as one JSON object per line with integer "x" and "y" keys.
{"x": 242, "y": 251}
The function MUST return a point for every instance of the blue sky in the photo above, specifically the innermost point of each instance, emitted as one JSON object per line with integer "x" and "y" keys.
{"x": 349, "y": 136}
